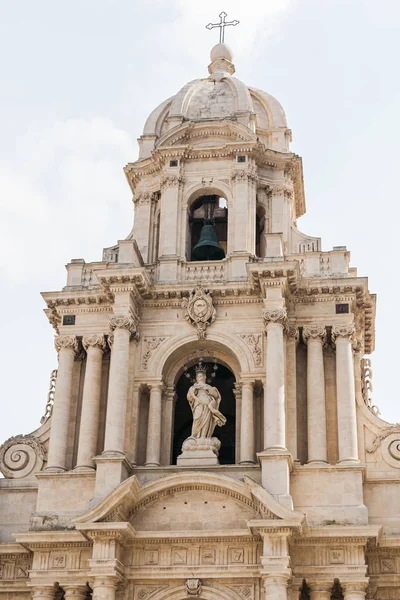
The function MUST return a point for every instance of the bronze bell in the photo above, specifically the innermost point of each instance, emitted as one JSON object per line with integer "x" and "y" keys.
{"x": 208, "y": 247}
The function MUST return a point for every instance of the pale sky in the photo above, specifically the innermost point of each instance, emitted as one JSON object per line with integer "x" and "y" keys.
{"x": 78, "y": 80}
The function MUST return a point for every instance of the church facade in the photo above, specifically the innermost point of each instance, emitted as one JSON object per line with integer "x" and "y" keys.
{"x": 209, "y": 431}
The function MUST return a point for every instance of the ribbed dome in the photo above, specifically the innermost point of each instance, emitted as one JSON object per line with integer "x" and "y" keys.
{"x": 215, "y": 98}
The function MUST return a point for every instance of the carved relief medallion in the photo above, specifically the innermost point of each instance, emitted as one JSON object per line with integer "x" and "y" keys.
{"x": 193, "y": 587}
{"x": 200, "y": 311}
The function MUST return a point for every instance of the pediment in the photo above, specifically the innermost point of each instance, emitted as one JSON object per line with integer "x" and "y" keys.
{"x": 206, "y": 134}
{"x": 190, "y": 501}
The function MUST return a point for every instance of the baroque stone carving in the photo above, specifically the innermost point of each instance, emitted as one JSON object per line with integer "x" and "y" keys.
{"x": 204, "y": 401}
{"x": 366, "y": 385}
{"x": 292, "y": 332}
{"x": 50, "y": 397}
{"x": 94, "y": 340}
{"x": 314, "y": 332}
{"x": 200, "y": 311}
{"x": 20, "y": 454}
{"x": 66, "y": 341}
{"x": 274, "y": 316}
{"x": 342, "y": 331}
{"x": 172, "y": 181}
{"x": 150, "y": 344}
{"x": 389, "y": 439}
{"x": 193, "y": 587}
{"x": 253, "y": 341}
{"x": 123, "y": 322}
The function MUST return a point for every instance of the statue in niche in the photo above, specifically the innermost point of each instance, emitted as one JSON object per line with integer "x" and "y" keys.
{"x": 204, "y": 401}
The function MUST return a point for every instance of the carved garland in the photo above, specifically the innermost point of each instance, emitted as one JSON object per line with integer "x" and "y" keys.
{"x": 253, "y": 342}
{"x": 150, "y": 344}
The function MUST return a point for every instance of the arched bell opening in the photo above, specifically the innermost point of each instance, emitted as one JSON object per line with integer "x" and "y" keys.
{"x": 221, "y": 377}
{"x": 208, "y": 228}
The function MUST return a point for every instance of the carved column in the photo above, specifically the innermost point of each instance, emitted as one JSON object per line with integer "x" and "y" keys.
{"x": 43, "y": 592}
{"x": 275, "y": 587}
{"x": 346, "y": 398}
{"x": 122, "y": 327}
{"x": 315, "y": 336}
{"x": 67, "y": 347}
{"x": 320, "y": 590}
{"x": 94, "y": 345}
{"x": 153, "y": 448}
{"x": 292, "y": 336}
{"x": 104, "y": 588}
{"x": 247, "y": 424}
{"x": 74, "y": 591}
{"x": 354, "y": 591}
{"x": 274, "y": 402}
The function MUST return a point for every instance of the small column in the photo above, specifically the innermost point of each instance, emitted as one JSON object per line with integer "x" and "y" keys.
{"x": 153, "y": 449}
{"x": 74, "y": 591}
{"x": 320, "y": 590}
{"x": 104, "y": 588}
{"x": 67, "y": 347}
{"x": 275, "y": 587}
{"x": 354, "y": 591}
{"x": 315, "y": 336}
{"x": 94, "y": 345}
{"x": 292, "y": 337}
{"x": 346, "y": 397}
{"x": 122, "y": 327}
{"x": 247, "y": 424}
{"x": 274, "y": 402}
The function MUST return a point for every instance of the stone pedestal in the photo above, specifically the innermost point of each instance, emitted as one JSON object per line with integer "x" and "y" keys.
{"x": 199, "y": 452}
{"x": 275, "y": 474}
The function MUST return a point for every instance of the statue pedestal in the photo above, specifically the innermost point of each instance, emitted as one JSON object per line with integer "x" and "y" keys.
{"x": 199, "y": 452}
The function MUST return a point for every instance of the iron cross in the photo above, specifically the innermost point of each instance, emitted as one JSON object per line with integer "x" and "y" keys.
{"x": 222, "y": 24}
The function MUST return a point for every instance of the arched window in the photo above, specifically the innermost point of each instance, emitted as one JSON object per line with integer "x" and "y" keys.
{"x": 208, "y": 210}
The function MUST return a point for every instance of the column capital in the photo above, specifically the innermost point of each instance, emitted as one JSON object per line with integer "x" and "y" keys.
{"x": 94, "y": 340}
{"x": 43, "y": 592}
{"x": 123, "y": 322}
{"x": 344, "y": 331}
{"x": 276, "y": 315}
{"x": 70, "y": 342}
{"x": 321, "y": 590}
{"x": 74, "y": 591}
{"x": 314, "y": 332}
{"x": 154, "y": 385}
{"x": 272, "y": 580}
{"x": 354, "y": 590}
{"x": 292, "y": 332}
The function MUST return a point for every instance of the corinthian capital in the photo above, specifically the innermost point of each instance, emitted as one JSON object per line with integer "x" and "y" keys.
{"x": 292, "y": 332}
{"x": 314, "y": 332}
{"x": 66, "y": 341}
{"x": 122, "y": 322}
{"x": 94, "y": 340}
{"x": 274, "y": 316}
{"x": 345, "y": 331}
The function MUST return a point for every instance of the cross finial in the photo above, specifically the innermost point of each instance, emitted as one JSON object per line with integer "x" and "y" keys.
{"x": 222, "y": 24}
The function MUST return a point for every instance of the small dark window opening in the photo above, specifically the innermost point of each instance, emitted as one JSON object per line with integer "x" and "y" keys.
{"x": 241, "y": 159}
{"x": 342, "y": 309}
{"x": 173, "y": 163}
{"x": 68, "y": 320}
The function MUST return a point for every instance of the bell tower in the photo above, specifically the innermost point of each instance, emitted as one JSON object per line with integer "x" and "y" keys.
{"x": 209, "y": 431}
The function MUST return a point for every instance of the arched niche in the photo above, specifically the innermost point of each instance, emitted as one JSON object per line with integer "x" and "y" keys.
{"x": 221, "y": 377}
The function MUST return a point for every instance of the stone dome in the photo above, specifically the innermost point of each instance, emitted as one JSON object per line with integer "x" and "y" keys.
{"x": 219, "y": 97}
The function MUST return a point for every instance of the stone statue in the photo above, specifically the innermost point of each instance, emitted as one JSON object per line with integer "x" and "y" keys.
{"x": 201, "y": 448}
{"x": 204, "y": 401}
